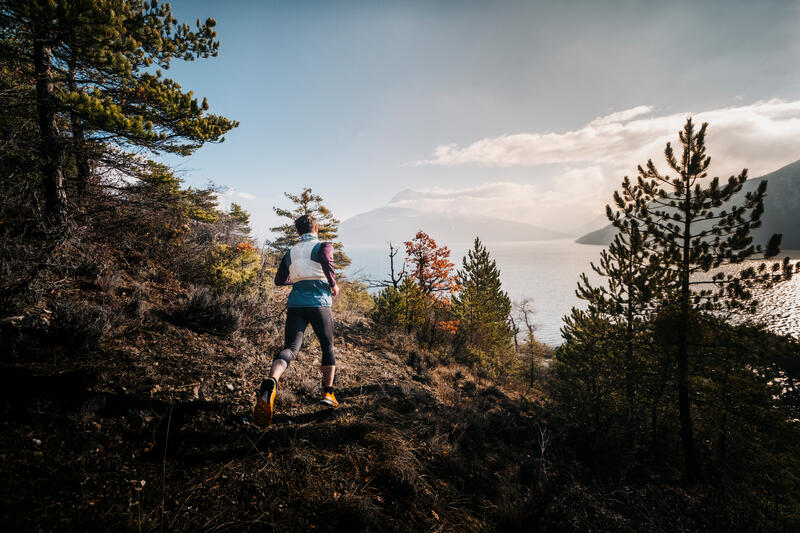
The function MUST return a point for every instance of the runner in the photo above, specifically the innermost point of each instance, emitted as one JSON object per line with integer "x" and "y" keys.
{"x": 308, "y": 268}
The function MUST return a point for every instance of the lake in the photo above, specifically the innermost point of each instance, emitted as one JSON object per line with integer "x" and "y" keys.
{"x": 548, "y": 271}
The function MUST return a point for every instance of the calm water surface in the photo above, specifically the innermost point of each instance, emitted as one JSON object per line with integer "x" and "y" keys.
{"x": 547, "y": 272}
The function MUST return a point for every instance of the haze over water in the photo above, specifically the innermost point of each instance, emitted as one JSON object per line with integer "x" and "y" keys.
{"x": 548, "y": 272}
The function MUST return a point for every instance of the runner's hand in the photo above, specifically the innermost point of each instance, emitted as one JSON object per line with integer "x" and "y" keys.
{"x": 335, "y": 290}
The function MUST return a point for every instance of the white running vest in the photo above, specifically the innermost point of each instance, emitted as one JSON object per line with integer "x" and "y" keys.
{"x": 301, "y": 266}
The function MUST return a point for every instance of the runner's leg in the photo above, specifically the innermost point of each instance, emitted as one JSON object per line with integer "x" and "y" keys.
{"x": 322, "y": 323}
{"x": 296, "y": 323}
{"x": 264, "y": 409}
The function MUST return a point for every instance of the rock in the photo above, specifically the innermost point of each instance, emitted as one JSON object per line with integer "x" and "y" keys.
{"x": 15, "y": 321}
{"x": 33, "y": 322}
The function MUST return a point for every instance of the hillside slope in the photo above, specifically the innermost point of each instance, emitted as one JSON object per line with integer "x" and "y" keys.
{"x": 154, "y": 434}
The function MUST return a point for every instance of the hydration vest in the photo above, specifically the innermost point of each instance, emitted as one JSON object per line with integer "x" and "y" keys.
{"x": 310, "y": 287}
{"x": 302, "y": 267}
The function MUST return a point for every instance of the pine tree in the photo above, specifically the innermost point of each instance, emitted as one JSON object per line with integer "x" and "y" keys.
{"x": 92, "y": 61}
{"x": 240, "y": 215}
{"x": 627, "y": 299}
{"x": 308, "y": 203}
{"x": 388, "y": 309}
{"x": 414, "y": 307}
{"x": 586, "y": 371}
{"x": 403, "y": 307}
{"x": 483, "y": 312}
{"x": 693, "y": 227}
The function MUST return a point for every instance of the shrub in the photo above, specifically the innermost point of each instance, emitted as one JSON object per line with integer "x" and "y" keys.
{"x": 388, "y": 307}
{"x": 403, "y": 308}
{"x": 79, "y": 326}
{"x": 494, "y": 364}
{"x": 353, "y": 296}
{"x": 422, "y": 361}
{"x": 206, "y": 311}
{"x": 233, "y": 267}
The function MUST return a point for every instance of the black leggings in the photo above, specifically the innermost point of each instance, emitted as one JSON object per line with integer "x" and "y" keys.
{"x": 297, "y": 320}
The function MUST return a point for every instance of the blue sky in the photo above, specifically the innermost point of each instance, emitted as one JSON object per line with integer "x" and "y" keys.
{"x": 486, "y": 106}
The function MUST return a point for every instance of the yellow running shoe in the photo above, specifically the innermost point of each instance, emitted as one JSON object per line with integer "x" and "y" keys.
{"x": 329, "y": 399}
{"x": 265, "y": 403}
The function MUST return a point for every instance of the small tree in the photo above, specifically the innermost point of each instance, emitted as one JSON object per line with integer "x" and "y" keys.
{"x": 531, "y": 347}
{"x": 414, "y": 307}
{"x": 586, "y": 378}
{"x": 402, "y": 308}
{"x": 430, "y": 269}
{"x": 308, "y": 203}
{"x": 395, "y": 276}
{"x": 388, "y": 310}
{"x": 240, "y": 216}
{"x": 429, "y": 265}
{"x": 627, "y": 299}
{"x": 483, "y": 311}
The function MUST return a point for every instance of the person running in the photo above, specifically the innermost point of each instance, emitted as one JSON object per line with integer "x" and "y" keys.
{"x": 308, "y": 268}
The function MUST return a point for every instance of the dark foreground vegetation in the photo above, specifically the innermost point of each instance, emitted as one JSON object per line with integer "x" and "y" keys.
{"x": 138, "y": 316}
{"x": 126, "y": 399}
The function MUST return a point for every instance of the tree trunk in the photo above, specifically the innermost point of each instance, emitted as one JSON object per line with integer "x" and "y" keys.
{"x": 516, "y": 341}
{"x": 687, "y": 434}
{"x": 629, "y": 385}
{"x": 530, "y": 382}
{"x": 78, "y": 141}
{"x": 722, "y": 448}
{"x": 662, "y": 384}
{"x": 81, "y": 160}
{"x": 395, "y": 279}
{"x": 51, "y": 151}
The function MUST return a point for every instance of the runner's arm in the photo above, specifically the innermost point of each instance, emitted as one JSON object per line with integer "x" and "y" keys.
{"x": 282, "y": 275}
{"x": 326, "y": 260}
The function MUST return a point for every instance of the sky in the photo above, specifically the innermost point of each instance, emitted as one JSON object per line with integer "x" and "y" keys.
{"x": 529, "y": 111}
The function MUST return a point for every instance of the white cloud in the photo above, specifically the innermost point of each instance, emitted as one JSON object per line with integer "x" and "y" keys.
{"x": 228, "y": 196}
{"x": 575, "y": 196}
{"x": 622, "y": 116}
{"x": 761, "y": 136}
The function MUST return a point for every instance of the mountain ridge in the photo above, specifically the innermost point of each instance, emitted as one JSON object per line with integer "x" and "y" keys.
{"x": 781, "y": 210}
{"x": 398, "y": 224}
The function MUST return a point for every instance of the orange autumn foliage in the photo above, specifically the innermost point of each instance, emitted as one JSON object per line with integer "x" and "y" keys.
{"x": 430, "y": 265}
{"x": 449, "y": 326}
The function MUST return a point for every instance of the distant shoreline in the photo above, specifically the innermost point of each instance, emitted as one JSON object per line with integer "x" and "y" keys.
{"x": 792, "y": 254}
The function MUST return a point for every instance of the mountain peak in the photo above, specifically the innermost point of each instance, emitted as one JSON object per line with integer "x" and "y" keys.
{"x": 405, "y": 195}
{"x": 400, "y": 223}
